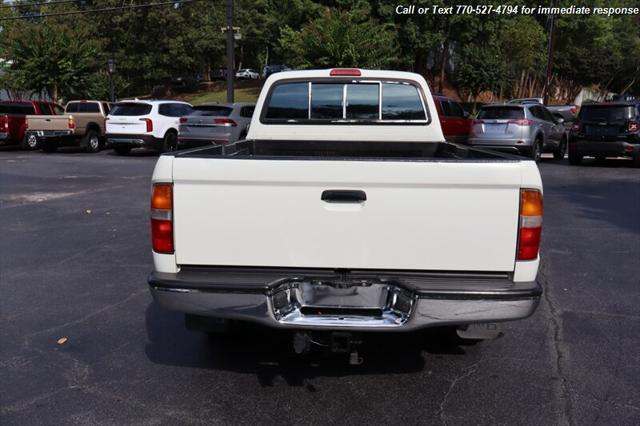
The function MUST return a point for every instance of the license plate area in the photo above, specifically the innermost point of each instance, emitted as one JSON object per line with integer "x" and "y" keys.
{"x": 602, "y": 130}
{"x": 360, "y": 303}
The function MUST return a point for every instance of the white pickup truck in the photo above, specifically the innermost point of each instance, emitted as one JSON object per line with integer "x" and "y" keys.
{"x": 345, "y": 210}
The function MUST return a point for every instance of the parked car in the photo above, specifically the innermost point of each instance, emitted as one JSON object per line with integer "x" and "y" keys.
{"x": 454, "y": 120}
{"x": 606, "y": 130}
{"x": 528, "y": 129}
{"x": 82, "y": 124}
{"x": 188, "y": 82}
{"x": 247, "y": 73}
{"x": 13, "y": 121}
{"x": 272, "y": 69}
{"x": 568, "y": 112}
{"x": 145, "y": 124}
{"x": 219, "y": 74}
{"x": 314, "y": 224}
{"x": 215, "y": 124}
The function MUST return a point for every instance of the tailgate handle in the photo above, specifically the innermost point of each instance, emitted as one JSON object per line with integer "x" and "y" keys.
{"x": 343, "y": 196}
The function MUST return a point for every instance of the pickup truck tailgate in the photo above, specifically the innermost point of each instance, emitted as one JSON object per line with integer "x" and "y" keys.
{"x": 418, "y": 215}
{"x": 48, "y": 122}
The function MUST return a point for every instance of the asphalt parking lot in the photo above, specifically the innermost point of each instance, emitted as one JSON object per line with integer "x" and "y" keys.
{"x": 74, "y": 257}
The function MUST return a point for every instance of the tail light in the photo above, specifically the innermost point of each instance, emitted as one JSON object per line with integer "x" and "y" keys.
{"x": 573, "y": 110}
{"x": 530, "y": 226}
{"x": 162, "y": 218}
{"x": 6, "y": 123}
{"x": 634, "y": 126}
{"x": 149, "y": 123}
{"x": 72, "y": 122}
{"x": 521, "y": 122}
{"x": 350, "y": 72}
{"x": 183, "y": 120}
{"x": 227, "y": 122}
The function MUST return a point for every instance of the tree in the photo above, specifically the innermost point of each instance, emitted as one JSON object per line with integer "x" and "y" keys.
{"x": 479, "y": 68}
{"x": 523, "y": 41}
{"x": 340, "y": 39}
{"x": 49, "y": 57}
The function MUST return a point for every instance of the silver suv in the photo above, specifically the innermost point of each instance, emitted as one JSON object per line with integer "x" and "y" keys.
{"x": 528, "y": 129}
{"x": 214, "y": 123}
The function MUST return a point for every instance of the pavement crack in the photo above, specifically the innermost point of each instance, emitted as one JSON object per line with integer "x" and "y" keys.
{"x": 28, "y": 337}
{"x": 558, "y": 350}
{"x": 467, "y": 372}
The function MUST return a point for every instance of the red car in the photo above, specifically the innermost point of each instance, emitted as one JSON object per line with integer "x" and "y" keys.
{"x": 454, "y": 120}
{"x": 13, "y": 121}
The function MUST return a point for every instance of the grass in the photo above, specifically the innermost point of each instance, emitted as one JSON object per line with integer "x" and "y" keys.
{"x": 243, "y": 92}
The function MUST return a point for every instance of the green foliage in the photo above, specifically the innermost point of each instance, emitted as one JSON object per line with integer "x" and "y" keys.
{"x": 55, "y": 58}
{"x": 67, "y": 56}
{"x": 479, "y": 69}
{"x": 600, "y": 50}
{"x": 523, "y": 42}
{"x": 99, "y": 86}
{"x": 340, "y": 39}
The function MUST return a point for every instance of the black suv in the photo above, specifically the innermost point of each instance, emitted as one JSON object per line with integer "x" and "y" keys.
{"x": 606, "y": 130}
{"x": 272, "y": 69}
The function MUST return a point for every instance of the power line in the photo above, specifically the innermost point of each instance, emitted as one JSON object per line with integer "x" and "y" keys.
{"x": 103, "y": 10}
{"x": 42, "y": 3}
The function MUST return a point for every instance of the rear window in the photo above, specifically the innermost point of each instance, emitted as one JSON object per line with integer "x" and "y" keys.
{"x": 606, "y": 112}
{"x": 90, "y": 107}
{"x": 45, "y": 108}
{"x": 131, "y": 109}
{"x": 366, "y": 102}
{"x": 401, "y": 102}
{"x": 501, "y": 113}
{"x": 289, "y": 102}
{"x": 326, "y": 101}
{"x": 73, "y": 107}
{"x": 363, "y": 101}
{"x": 17, "y": 109}
{"x": 174, "y": 110}
{"x": 212, "y": 110}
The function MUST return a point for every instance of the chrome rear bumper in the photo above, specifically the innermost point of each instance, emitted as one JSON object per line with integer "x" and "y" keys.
{"x": 391, "y": 301}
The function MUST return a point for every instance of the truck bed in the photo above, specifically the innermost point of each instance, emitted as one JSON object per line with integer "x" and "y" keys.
{"x": 347, "y": 150}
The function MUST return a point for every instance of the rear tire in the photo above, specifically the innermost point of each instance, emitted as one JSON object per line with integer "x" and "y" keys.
{"x": 559, "y": 152}
{"x": 536, "y": 150}
{"x": 49, "y": 146}
{"x": 91, "y": 141}
{"x": 122, "y": 150}
{"x": 30, "y": 142}
{"x": 170, "y": 142}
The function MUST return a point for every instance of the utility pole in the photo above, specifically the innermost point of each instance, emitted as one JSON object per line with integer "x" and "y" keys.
{"x": 547, "y": 82}
{"x": 230, "y": 48}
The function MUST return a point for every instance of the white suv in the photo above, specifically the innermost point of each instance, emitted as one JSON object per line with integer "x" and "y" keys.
{"x": 150, "y": 124}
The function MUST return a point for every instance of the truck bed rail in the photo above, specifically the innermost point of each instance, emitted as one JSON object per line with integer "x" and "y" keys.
{"x": 347, "y": 150}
